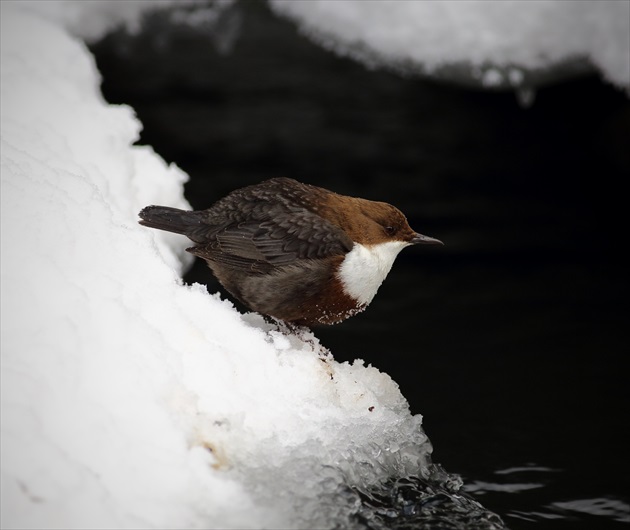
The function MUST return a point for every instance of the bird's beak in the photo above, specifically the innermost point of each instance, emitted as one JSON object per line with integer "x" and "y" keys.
{"x": 419, "y": 239}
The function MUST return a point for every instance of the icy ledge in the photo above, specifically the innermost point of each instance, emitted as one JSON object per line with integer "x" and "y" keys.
{"x": 128, "y": 399}
{"x": 494, "y": 44}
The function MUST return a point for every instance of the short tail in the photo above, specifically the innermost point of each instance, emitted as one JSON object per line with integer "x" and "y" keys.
{"x": 171, "y": 219}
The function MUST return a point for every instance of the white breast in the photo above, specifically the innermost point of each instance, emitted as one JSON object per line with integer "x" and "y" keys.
{"x": 365, "y": 267}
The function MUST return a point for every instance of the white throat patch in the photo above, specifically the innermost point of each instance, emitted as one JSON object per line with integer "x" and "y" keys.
{"x": 365, "y": 267}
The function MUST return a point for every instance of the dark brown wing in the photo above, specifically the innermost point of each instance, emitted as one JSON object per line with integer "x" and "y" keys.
{"x": 261, "y": 245}
{"x": 257, "y": 228}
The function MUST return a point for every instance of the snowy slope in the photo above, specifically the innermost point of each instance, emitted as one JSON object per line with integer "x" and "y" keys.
{"x": 128, "y": 399}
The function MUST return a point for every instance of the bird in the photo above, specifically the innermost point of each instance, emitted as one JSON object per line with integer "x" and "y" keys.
{"x": 295, "y": 252}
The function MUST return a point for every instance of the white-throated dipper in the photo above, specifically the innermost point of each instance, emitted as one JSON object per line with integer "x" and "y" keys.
{"x": 294, "y": 251}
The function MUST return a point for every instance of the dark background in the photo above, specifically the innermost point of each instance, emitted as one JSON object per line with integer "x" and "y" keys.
{"x": 510, "y": 340}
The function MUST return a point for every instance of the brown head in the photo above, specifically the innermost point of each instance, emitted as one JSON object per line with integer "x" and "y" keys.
{"x": 372, "y": 222}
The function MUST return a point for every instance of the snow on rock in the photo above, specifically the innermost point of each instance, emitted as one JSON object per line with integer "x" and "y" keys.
{"x": 101, "y": 16}
{"x": 130, "y": 400}
{"x": 510, "y": 43}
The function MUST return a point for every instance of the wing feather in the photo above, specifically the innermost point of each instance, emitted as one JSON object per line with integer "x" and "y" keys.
{"x": 273, "y": 241}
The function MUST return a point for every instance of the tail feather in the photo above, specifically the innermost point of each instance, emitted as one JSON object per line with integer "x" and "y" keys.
{"x": 170, "y": 219}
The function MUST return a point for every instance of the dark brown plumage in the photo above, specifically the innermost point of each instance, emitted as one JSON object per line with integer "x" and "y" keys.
{"x": 294, "y": 251}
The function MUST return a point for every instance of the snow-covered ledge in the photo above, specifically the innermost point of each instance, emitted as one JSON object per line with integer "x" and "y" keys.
{"x": 509, "y": 44}
{"x": 129, "y": 399}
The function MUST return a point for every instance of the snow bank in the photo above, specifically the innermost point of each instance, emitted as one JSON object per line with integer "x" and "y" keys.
{"x": 93, "y": 22}
{"x": 494, "y": 43}
{"x": 130, "y": 400}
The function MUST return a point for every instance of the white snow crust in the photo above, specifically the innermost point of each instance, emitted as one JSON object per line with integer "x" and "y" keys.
{"x": 130, "y": 400}
{"x": 503, "y": 41}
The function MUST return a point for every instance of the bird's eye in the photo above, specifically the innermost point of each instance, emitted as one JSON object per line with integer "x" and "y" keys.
{"x": 389, "y": 230}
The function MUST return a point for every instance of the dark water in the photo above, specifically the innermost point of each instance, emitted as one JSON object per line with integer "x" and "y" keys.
{"x": 511, "y": 340}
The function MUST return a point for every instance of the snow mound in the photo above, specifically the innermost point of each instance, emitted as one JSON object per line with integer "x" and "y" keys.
{"x": 131, "y": 400}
